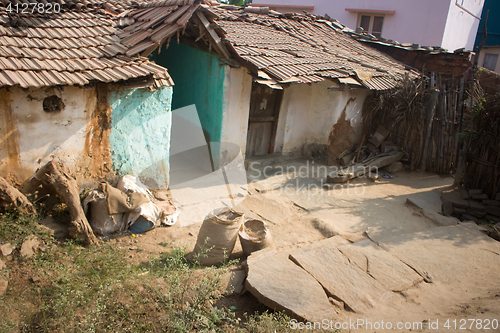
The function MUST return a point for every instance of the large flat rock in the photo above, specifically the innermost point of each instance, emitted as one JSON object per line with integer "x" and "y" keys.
{"x": 280, "y": 284}
{"x": 381, "y": 265}
{"x": 334, "y": 241}
{"x": 341, "y": 278}
{"x": 274, "y": 210}
{"x": 457, "y": 255}
{"x": 430, "y": 204}
{"x": 426, "y": 200}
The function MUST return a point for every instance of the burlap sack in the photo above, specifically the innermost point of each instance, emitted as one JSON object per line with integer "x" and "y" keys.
{"x": 217, "y": 237}
{"x": 254, "y": 236}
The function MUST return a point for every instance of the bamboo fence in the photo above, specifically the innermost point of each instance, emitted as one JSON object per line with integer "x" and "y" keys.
{"x": 482, "y": 138}
{"x": 403, "y": 112}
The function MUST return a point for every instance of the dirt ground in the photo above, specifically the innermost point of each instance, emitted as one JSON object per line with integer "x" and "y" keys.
{"x": 300, "y": 209}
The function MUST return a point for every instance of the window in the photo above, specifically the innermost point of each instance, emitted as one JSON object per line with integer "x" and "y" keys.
{"x": 371, "y": 24}
{"x": 490, "y": 61}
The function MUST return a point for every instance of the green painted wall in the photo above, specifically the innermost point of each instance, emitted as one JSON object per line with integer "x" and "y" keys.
{"x": 199, "y": 80}
{"x": 140, "y": 133}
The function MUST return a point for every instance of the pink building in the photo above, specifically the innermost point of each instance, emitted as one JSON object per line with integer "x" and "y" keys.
{"x": 451, "y": 24}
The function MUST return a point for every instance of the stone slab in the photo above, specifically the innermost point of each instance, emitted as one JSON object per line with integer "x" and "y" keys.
{"x": 334, "y": 241}
{"x": 493, "y": 211}
{"x": 456, "y": 197}
{"x": 459, "y": 211}
{"x": 380, "y": 233}
{"x": 426, "y": 200}
{"x": 473, "y": 226}
{"x": 475, "y": 192}
{"x": 269, "y": 209}
{"x": 381, "y": 265}
{"x": 341, "y": 278}
{"x": 280, "y": 284}
{"x": 492, "y": 218}
{"x": 464, "y": 204}
{"x": 480, "y": 197}
{"x": 476, "y": 205}
{"x": 476, "y": 213}
{"x": 458, "y": 255}
{"x": 430, "y": 204}
{"x": 491, "y": 203}
{"x": 468, "y": 217}
{"x": 447, "y": 208}
{"x": 58, "y": 230}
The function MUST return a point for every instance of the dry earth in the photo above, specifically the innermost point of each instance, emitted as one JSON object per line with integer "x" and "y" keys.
{"x": 300, "y": 211}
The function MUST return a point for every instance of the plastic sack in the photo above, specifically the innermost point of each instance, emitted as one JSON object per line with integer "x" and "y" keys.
{"x": 156, "y": 212}
{"x": 132, "y": 184}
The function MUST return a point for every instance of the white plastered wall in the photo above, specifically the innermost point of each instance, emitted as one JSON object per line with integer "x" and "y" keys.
{"x": 491, "y": 50}
{"x": 309, "y": 111}
{"x": 30, "y": 137}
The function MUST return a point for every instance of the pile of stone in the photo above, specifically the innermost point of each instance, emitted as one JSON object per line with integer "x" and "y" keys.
{"x": 473, "y": 205}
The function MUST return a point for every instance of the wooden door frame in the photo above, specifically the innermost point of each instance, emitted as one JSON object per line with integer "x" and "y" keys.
{"x": 277, "y": 108}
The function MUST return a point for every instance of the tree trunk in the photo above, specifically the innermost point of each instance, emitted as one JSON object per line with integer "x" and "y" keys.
{"x": 11, "y": 198}
{"x": 55, "y": 175}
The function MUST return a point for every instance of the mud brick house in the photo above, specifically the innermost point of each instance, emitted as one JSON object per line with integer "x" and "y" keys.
{"x": 269, "y": 82}
{"x": 68, "y": 90}
{"x": 89, "y": 84}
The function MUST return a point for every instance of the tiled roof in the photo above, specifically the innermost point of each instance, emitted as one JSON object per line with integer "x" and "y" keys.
{"x": 291, "y": 48}
{"x": 424, "y": 58}
{"x": 307, "y": 48}
{"x": 95, "y": 40}
{"x": 76, "y": 46}
{"x": 150, "y": 26}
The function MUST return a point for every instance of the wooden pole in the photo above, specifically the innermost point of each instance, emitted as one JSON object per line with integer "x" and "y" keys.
{"x": 430, "y": 111}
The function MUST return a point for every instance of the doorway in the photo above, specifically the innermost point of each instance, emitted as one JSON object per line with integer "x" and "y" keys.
{"x": 265, "y": 103}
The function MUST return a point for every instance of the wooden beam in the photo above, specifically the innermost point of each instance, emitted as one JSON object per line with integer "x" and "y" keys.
{"x": 213, "y": 34}
{"x": 150, "y": 50}
{"x": 200, "y": 36}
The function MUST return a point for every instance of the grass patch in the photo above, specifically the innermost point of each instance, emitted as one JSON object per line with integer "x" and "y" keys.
{"x": 16, "y": 227}
{"x": 69, "y": 288}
